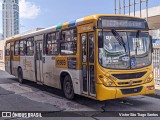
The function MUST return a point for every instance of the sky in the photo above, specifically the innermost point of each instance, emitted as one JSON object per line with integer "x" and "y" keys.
{"x": 46, "y": 13}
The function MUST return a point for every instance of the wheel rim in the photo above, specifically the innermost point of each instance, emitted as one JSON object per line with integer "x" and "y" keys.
{"x": 68, "y": 89}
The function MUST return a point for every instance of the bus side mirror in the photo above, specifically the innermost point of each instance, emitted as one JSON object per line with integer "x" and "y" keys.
{"x": 100, "y": 40}
{"x": 151, "y": 43}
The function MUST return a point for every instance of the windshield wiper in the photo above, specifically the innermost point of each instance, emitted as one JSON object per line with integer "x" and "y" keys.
{"x": 119, "y": 38}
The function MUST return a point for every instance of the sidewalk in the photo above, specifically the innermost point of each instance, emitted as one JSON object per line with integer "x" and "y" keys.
{"x": 2, "y": 69}
{"x": 2, "y": 66}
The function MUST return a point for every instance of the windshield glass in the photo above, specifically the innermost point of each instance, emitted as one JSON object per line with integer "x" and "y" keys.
{"x": 124, "y": 50}
{"x": 140, "y": 51}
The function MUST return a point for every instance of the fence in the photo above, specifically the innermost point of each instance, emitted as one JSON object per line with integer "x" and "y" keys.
{"x": 156, "y": 65}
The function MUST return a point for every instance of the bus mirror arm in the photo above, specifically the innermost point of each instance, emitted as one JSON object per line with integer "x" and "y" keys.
{"x": 150, "y": 37}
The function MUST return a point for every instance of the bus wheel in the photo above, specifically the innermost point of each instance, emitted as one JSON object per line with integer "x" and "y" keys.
{"x": 68, "y": 88}
{"x": 20, "y": 75}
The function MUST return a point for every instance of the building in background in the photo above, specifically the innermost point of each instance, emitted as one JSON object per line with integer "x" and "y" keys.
{"x": 1, "y": 36}
{"x": 2, "y": 52}
{"x": 151, "y": 14}
{"x": 2, "y": 46}
{"x": 10, "y": 18}
{"x": 153, "y": 19}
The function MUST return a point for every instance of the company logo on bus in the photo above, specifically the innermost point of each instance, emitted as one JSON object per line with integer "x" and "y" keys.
{"x": 131, "y": 82}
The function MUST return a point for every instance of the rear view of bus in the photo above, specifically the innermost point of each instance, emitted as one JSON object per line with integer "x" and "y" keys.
{"x": 124, "y": 65}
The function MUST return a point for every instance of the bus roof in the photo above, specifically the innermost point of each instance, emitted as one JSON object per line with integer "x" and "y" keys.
{"x": 77, "y": 22}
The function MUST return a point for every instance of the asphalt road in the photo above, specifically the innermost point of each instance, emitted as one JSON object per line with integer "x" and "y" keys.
{"x": 33, "y": 97}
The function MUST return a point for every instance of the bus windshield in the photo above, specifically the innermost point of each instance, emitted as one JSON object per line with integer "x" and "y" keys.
{"x": 127, "y": 51}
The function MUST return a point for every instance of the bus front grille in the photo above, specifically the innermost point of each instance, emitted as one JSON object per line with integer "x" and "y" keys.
{"x": 129, "y": 76}
{"x": 128, "y": 83}
{"x": 132, "y": 90}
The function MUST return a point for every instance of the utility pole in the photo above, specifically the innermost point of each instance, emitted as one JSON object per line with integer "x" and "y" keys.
{"x": 134, "y": 7}
{"x": 119, "y": 6}
{"x": 140, "y": 3}
{"x": 147, "y": 10}
{"x": 115, "y": 3}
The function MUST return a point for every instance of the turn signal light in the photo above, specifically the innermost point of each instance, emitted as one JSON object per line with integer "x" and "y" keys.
{"x": 106, "y": 80}
{"x": 150, "y": 78}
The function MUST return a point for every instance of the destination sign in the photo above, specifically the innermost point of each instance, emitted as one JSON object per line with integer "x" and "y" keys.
{"x": 124, "y": 23}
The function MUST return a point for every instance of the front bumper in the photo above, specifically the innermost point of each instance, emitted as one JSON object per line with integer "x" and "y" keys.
{"x": 107, "y": 93}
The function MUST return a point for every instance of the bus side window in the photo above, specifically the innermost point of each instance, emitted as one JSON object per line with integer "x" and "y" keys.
{"x": 22, "y": 47}
{"x": 52, "y": 43}
{"x": 68, "y": 45}
{"x": 16, "y": 48}
{"x": 91, "y": 48}
{"x": 30, "y": 47}
{"x": 7, "y": 52}
{"x": 44, "y": 44}
{"x": 84, "y": 49}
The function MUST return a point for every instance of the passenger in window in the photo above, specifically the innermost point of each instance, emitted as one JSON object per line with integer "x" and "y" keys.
{"x": 49, "y": 48}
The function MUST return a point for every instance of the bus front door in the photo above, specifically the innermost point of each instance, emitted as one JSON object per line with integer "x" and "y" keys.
{"x": 39, "y": 63}
{"x": 88, "y": 69}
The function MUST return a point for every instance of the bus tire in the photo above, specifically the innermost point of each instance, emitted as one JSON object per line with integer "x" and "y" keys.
{"x": 68, "y": 88}
{"x": 20, "y": 76}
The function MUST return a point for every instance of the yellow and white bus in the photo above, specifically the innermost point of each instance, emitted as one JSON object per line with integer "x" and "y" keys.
{"x": 99, "y": 56}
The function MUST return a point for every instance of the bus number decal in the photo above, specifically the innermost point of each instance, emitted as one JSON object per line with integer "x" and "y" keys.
{"x": 60, "y": 62}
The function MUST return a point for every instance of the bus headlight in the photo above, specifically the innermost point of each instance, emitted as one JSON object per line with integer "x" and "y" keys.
{"x": 149, "y": 78}
{"x": 106, "y": 81}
